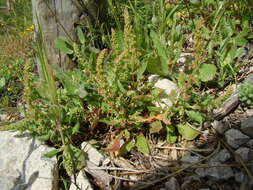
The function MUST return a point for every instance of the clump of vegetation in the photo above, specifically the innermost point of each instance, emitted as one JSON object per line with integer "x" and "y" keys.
{"x": 108, "y": 96}
{"x": 246, "y": 94}
{"x": 15, "y": 48}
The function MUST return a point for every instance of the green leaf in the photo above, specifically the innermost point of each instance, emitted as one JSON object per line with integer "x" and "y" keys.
{"x": 171, "y": 137}
{"x": 76, "y": 128}
{"x": 63, "y": 46}
{"x": 156, "y": 127}
{"x": 43, "y": 137}
{"x": 161, "y": 48}
{"x": 52, "y": 153}
{"x": 207, "y": 72}
{"x": 120, "y": 86}
{"x": 2, "y": 82}
{"x": 142, "y": 144}
{"x": 130, "y": 145}
{"x": 80, "y": 35}
{"x": 195, "y": 116}
{"x": 240, "y": 41}
{"x": 154, "y": 66}
{"x": 187, "y": 131}
{"x": 127, "y": 147}
{"x": 119, "y": 39}
{"x": 141, "y": 70}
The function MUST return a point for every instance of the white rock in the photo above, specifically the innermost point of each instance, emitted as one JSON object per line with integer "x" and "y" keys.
{"x": 23, "y": 166}
{"x": 3, "y": 117}
{"x": 94, "y": 159}
{"x": 249, "y": 112}
{"x": 164, "y": 84}
{"x": 82, "y": 182}
{"x": 93, "y": 155}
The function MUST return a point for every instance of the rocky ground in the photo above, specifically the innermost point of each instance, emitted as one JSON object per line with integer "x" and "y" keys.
{"x": 221, "y": 158}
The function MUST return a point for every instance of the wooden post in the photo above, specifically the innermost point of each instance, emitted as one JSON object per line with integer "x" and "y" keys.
{"x": 57, "y": 19}
{"x": 52, "y": 16}
{"x": 9, "y": 4}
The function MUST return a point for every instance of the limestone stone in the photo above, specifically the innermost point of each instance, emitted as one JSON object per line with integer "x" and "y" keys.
{"x": 23, "y": 165}
{"x": 82, "y": 182}
{"x": 93, "y": 155}
{"x": 168, "y": 86}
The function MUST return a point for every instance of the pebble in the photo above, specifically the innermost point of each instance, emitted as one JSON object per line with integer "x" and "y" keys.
{"x": 246, "y": 154}
{"x": 188, "y": 159}
{"x": 220, "y": 126}
{"x": 172, "y": 184}
{"x": 250, "y": 143}
{"x": 239, "y": 177}
{"x": 217, "y": 173}
{"x": 235, "y": 138}
{"x": 247, "y": 126}
{"x": 221, "y": 156}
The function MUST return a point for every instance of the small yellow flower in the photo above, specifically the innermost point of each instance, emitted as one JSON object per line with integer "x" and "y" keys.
{"x": 30, "y": 28}
{"x": 9, "y": 89}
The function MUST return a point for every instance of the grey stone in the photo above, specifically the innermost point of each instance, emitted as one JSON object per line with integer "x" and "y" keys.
{"x": 221, "y": 156}
{"x": 92, "y": 154}
{"x": 188, "y": 181}
{"x": 23, "y": 165}
{"x": 220, "y": 126}
{"x": 190, "y": 159}
{"x": 247, "y": 126}
{"x": 235, "y": 138}
{"x": 172, "y": 184}
{"x": 201, "y": 172}
{"x": 98, "y": 174}
{"x": 250, "y": 143}
{"x": 246, "y": 154}
{"x": 240, "y": 177}
{"x": 82, "y": 182}
{"x": 217, "y": 173}
{"x": 246, "y": 184}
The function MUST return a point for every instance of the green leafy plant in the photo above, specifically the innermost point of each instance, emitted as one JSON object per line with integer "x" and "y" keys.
{"x": 246, "y": 93}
